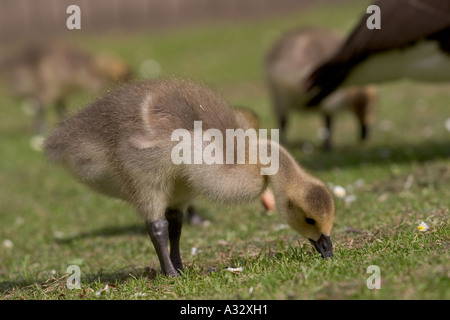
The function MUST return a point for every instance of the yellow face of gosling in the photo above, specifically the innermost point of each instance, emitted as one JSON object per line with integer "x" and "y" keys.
{"x": 310, "y": 211}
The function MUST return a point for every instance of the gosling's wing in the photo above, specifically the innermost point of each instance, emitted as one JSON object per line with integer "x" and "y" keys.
{"x": 403, "y": 22}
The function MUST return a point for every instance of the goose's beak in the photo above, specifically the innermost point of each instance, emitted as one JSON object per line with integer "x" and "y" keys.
{"x": 324, "y": 246}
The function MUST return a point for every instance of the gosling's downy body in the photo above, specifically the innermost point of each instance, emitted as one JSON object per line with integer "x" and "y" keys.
{"x": 247, "y": 119}
{"x": 47, "y": 73}
{"x": 289, "y": 63}
{"x": 121, "y": 145}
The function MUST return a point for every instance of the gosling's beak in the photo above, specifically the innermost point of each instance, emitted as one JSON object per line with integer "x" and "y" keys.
{"x": 324, "y": 246}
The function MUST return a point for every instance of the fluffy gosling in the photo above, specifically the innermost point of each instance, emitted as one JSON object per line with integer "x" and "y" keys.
{"x": 121, "y": 146}
{"x": 48, "y": 73}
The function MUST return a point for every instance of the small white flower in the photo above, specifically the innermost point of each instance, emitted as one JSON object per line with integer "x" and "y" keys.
{"x": 447, "y": 124}
{"x": 194, "y": 251}
{"x": 8, "y": 244}
{"x": 138, "y": 294}
{"x": 37, "y": 143}
{"x": 106, "y": 288}
{"x": 235, "y": 269}
{"x": 422, "y": 226}
{"x": 339, "y": 191}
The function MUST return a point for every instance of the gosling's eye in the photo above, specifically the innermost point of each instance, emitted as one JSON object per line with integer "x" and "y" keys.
{"x": 310, "y": 221}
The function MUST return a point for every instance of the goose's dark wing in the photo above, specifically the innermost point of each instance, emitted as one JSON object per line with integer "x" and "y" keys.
{"x": 403, "y": 22}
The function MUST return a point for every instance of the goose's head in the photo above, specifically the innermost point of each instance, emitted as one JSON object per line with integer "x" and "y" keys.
{"x": 310, "y": 211}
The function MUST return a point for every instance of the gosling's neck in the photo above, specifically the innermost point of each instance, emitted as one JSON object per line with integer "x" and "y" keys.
{"x": 290, "y": 175}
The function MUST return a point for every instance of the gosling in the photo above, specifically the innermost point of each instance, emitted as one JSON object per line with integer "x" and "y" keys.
{"x": 48, "y": 73}
{"x": 121, "y": 146}
{"x": 288, "y": 64}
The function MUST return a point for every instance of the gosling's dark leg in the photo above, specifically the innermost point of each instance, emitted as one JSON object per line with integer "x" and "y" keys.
{"x": 159, "y": 234}
{"x": 175, "y": 219}
{"x": 327, "y": 145}
{"x": 364, "y": 132}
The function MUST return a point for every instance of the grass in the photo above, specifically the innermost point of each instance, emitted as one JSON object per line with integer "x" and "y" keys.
{"x": 399, "y": 178}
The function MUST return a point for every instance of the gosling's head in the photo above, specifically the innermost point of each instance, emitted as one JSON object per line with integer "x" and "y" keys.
{"x": 310, "y": 211}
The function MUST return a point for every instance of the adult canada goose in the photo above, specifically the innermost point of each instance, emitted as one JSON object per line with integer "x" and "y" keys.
{"x": 413, "y": 42}
{"x": 289, "y": 62}
{"x": 122, "y": 145}
{"x": 47, "y": 73}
